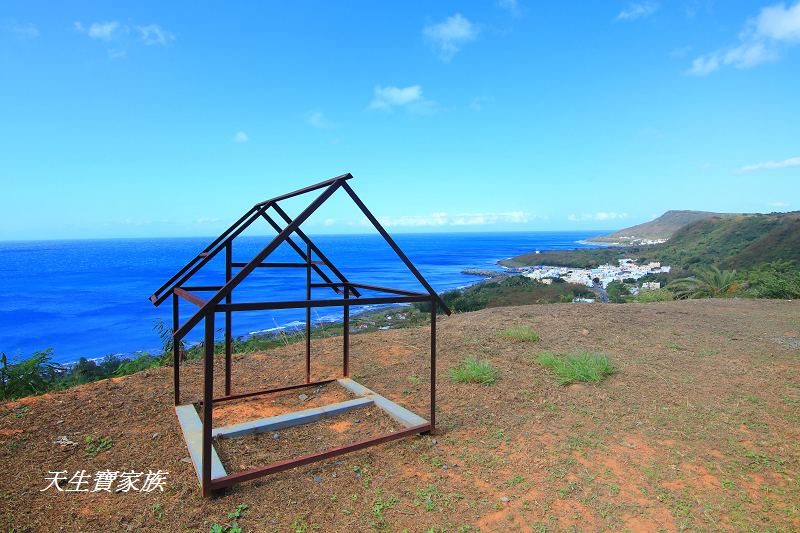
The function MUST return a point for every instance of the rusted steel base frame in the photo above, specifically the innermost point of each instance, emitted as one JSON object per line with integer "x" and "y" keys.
{"x": 268, "y": 391}
{"x": 253, "y": 473}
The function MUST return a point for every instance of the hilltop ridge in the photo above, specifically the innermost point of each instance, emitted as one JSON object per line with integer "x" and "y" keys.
{"x": 734, "y": 241}
{"x": 658, "y": 229}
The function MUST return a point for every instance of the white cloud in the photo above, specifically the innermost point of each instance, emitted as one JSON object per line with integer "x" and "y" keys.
{"x": 600, "y": 216}
{"x": 761, "y": 41}
{"x": 440, "y": 220}
{"x": 680, "y": 52}
{"x": 779, "y": 204}
{"x": 21, "y": 30}
{"x": 153, "y": 34}
{"x": 477, "y": 103}
{"x": 116, "y": 53}
{"x": 692, "y": 7}
{"x": 463, "y": 219}
{"x": 450, "y": 35}
{"x": 389, "y": 97}
{"x": 104, "y": 31}
{"x": 771, "y": 165}
{"x": 137, "y": 222}
{"x": 121, "y": 36}
{"x": 637, "y": 10}
{"x": 779, "y": 23}
{"x": 512, "y": 6}
{"x": 702, "y": 66}
{"x": 241, "y": 137}
{"x": 318, "y": 120}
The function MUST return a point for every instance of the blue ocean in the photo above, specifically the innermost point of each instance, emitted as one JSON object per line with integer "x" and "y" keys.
{"x": 89, "y": 298}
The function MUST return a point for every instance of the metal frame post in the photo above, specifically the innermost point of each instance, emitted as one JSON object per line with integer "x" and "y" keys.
{"x": 208, "y": 402}
{"x": 305, "y": 238}
{"x": 176, "y": 351}
{"x": 205, "y": 254}
{"x": 308, "y": 315}
{"x": 346, "y": 333}
{"x": 228, "y": 326}
{"x": 321, "y": 273}
{"x": 377, "y": 225}
{"x": 205, "y": 257}
{"x": 433, "y": 365}
{"x": 256, "y": 261}
{"x": 222, "y": 302}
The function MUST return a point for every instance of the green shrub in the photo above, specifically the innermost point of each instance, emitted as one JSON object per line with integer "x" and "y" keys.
{"x": 141, "y": 362}
{"x": 779, "y": 279}
{"x": 617, "y": 291}
{"x": 577, "y": 366}
{"x": 519, "y": 334}
{"x": 474, "y": 371}
{"x": 657, "y": 295}
{"x": 710, "y": 282}
{"x": 513, "y": 290}
{"x": 33, "y": 375}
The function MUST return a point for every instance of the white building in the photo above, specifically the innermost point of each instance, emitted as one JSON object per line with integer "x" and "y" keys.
{"x": 605, "y": 274}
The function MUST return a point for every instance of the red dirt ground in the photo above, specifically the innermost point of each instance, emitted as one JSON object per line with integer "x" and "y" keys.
{"x": 698, "y": 430}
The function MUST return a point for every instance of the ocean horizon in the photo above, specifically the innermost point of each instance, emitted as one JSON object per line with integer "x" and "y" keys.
{"x": 89, "y": 298}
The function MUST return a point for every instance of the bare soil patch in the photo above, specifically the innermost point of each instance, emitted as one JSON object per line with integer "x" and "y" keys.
{"x": 698, "y": 430}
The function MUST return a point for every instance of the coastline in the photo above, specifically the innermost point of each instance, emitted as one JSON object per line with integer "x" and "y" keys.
{"x": 369, "y": 312}
{"x": 290, "y": 329}
{"x": 110, "y": 317}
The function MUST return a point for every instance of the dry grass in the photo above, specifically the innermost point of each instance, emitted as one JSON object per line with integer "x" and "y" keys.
{"x": 702, "y": 438}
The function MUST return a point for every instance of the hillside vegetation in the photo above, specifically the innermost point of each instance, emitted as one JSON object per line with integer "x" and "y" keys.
{"x": 662, "y": 227}
{"x": 515, "y": 290}
{"x": 737, "y": 242}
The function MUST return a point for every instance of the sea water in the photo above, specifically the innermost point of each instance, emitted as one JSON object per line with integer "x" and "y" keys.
{"x": 89, "y": 298}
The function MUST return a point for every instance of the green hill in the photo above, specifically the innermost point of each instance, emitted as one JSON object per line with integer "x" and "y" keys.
{"x": 662, "y": 227}
{"x": 740, "y": 242}
{"x": 727, "y": 241}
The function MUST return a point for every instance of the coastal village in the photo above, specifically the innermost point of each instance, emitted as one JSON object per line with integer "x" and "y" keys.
{"x": 627, "y": 269}
{"x": 629, "y": 240}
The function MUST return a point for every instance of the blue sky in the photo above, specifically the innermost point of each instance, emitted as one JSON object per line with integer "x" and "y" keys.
{"x": 138, "y": 119}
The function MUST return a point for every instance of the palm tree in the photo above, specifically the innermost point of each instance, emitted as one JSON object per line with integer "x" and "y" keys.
{"x": 711, "y": 283}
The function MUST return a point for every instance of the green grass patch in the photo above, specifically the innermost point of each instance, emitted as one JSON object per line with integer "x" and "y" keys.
{"x": 473, "y": 370}
{"x": 577, "y": 366}
{"x": 95, "y": 445}
{"x": 519, "y": 334}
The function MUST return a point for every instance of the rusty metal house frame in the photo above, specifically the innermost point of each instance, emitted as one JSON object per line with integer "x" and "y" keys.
{"x": 199, "y": 433}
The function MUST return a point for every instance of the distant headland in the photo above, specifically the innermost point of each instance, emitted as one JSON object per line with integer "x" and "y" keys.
{"x": 687, "y": 240}
{"x": 657, "y": 230}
